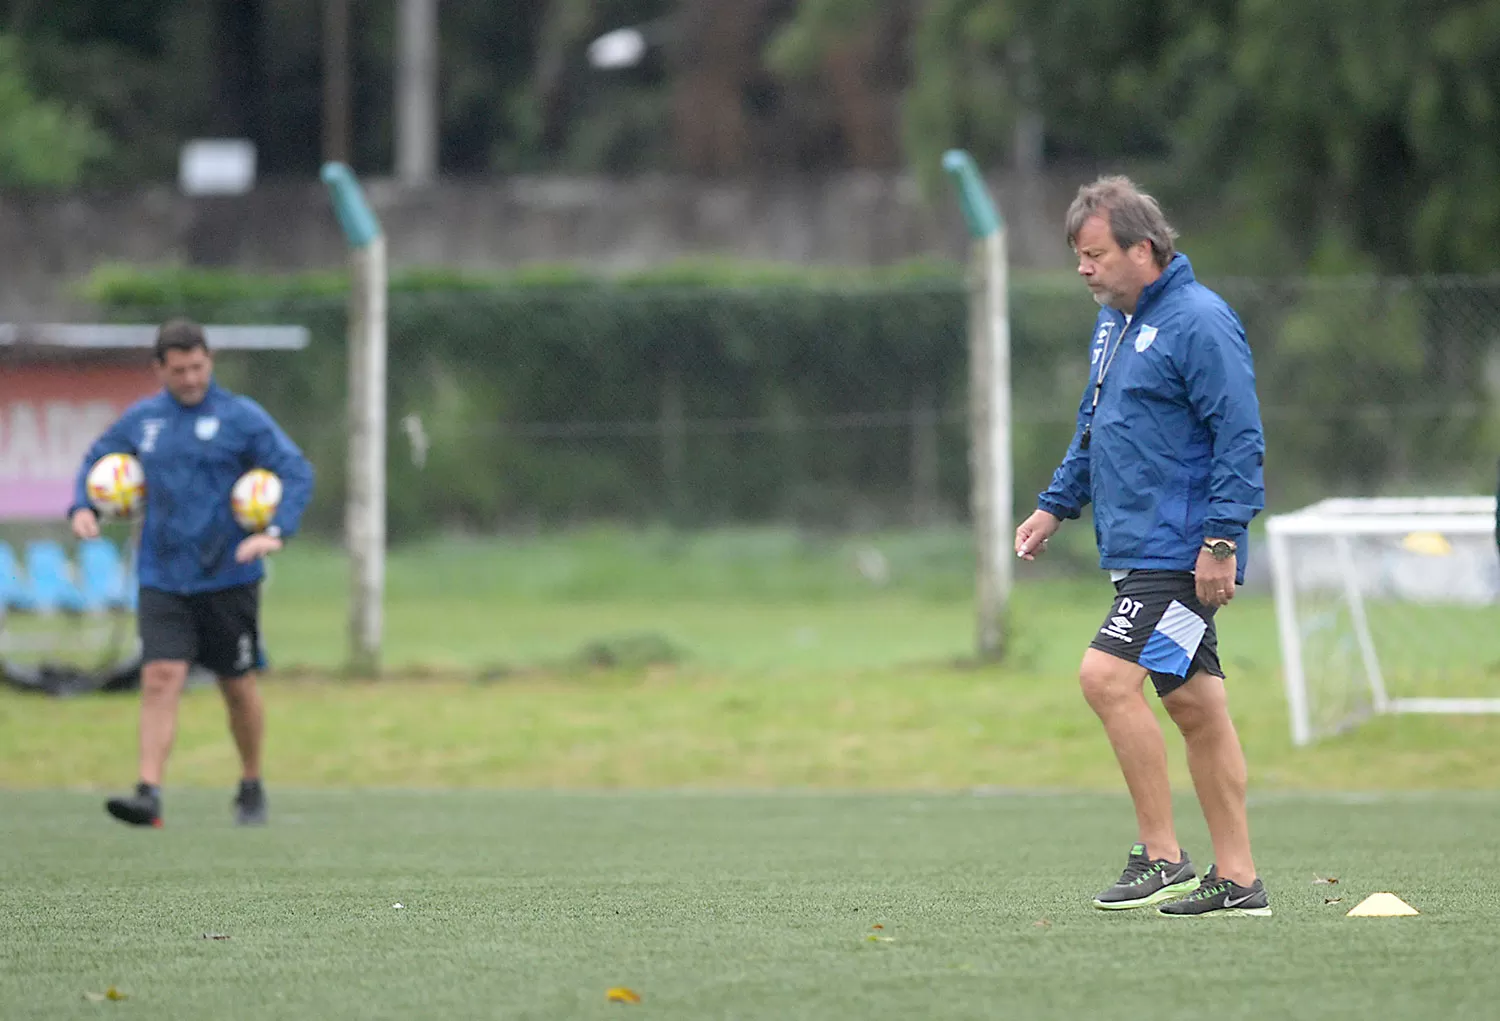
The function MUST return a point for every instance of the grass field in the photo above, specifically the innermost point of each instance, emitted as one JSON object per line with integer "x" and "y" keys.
{"x": 533, "y": 905}
{"x": 754, "y": 659}
{"x": 711, "y": 769}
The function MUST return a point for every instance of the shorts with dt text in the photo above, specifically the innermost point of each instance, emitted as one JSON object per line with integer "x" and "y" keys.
{"x": 218, "y": 630}
{"x": 1157, "y": 622}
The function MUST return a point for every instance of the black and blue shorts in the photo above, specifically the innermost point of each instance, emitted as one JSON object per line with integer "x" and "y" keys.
{"x": 1157, "y": 622}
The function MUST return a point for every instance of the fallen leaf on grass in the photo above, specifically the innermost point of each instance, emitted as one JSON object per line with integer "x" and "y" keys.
{"x": 877, "y": 927}
{"x": 872, "y": 938}
{"x": 1042, "y": 923}
{"x": 622, "y": 995}
{"x": 214, "y": 935}
{"x": 1320, "y": 881}
{"x": 1332, "y": 900}
{"x": 109, "y": 994}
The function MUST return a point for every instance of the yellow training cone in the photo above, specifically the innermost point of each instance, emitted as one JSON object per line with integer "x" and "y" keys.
{"x": 1381, "y": 905}
{"x": 1428, "y": 544}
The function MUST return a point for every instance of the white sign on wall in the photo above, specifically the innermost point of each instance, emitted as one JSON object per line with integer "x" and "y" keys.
{"x": 217, "y": 166}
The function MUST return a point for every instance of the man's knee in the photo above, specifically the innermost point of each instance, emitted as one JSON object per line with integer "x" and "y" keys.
{"x": 1198, "y": 705}
{"x": 163, "y": 677}
{"x": 238, "y": 690}
{"x": 1109, "y": 682}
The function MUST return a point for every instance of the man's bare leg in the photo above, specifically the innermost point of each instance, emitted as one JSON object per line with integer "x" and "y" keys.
{"x": 1114, "y": 690}
{"x": 1200, "y": 708}
{"x": 162, "y": 682}
{"x": 247, "y": 720}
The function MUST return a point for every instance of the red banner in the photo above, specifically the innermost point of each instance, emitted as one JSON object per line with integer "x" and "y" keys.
{"x": 49, "y": 415}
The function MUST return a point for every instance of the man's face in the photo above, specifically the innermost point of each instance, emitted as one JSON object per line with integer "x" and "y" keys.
{"x": 1116, "y": 276}
{"x": 186, "y": 374}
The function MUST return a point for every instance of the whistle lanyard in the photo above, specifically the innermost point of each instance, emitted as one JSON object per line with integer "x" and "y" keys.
{"x": 1104, "y": 364}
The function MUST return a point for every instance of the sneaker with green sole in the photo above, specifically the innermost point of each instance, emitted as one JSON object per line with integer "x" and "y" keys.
{"x": 1148, "y": 881}
{"x": 1220, "y": 896}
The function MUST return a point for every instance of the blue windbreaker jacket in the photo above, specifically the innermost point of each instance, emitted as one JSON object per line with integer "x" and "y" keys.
{"x": 192, "y": 457}
{"x": 1176, "y": 447}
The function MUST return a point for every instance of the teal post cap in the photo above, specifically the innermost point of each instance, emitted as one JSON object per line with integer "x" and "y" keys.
{"x": 359, "y": 223}
{"x": 973, "y": 198}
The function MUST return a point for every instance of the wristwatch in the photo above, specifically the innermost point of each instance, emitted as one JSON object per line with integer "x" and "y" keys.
{"x": 1222, "y": 549}
{"x": 274, "y": 531}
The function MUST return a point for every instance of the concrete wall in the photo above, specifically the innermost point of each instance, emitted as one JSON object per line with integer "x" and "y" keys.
{"x": 854, "y": 219}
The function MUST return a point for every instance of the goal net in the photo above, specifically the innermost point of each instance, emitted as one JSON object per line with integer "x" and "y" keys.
{"x": 1386, "y": 605}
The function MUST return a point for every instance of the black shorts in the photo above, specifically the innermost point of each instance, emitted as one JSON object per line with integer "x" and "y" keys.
{"x": 1158, "y": 622}
{"x": 217, "y": 630}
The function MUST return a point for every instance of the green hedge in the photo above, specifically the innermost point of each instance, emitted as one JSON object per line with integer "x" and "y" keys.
{"x": 698, "y": 393}
{"x": 717, "y": 392}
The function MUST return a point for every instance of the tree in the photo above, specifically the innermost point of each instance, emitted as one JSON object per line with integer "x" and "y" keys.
{"x": 987, "y": 74}
{"x": 240, "y": 58}
{"x": 1375, "y": 119}
{"x": 43, "y": 144}
{"x": 860, "y": 51}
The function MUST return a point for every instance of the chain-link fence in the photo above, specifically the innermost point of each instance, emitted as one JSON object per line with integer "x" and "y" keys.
{"x": 843, "y": 408}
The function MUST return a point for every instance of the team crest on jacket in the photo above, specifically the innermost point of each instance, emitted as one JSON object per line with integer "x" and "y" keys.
{"x": 206, "y": 427}
{"x": 1145, "y": 337}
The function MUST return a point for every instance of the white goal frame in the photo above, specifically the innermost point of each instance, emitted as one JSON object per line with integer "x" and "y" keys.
{"x": 1340, "y": 518}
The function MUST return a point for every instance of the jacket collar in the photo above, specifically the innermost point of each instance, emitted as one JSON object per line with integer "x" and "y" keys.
{"x": 1179, "y": 273}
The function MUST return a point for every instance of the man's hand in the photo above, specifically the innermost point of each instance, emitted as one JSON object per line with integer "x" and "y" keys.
{"x": 85, "y": 523}
{"x": 254, "y": 547}
{"x": 1215, "y": 579}
{"x": 1033, "y": 533}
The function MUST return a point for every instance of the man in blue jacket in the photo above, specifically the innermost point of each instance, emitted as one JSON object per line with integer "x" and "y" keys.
{"x": 199, "y": 571}
{"x": 1168, "y": 449}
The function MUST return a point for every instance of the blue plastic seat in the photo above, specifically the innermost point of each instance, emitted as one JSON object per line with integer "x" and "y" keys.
{"x": 51, "y": 578}
{"x": 102, "y": 578}
{"x": 15, "y": 588}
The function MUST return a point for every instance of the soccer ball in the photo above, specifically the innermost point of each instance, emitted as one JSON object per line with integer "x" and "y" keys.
{"x": 116, "y": 486}
{"x": 254, "y": 499}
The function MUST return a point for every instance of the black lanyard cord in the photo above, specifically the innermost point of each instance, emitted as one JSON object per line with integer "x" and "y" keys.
{"x": 1104, "y": 365}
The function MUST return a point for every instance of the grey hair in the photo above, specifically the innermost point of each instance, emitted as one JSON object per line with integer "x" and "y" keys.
{"x": 1133, "y": 216}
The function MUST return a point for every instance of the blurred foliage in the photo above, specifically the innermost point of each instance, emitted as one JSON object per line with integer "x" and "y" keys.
{"x": 43, "y": 143}
{"x": 553, "y": 396}
{"x": 1280, "y": 122}
{"x": 718, "y": 392}
{"x": 125, "y": 284}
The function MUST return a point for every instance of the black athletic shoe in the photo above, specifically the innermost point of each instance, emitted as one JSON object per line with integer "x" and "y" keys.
{"x": 250, "y": 804}
{"x": 1220, "y": 896}
{"x": 1148, "y": 881}
{"x": 143, "y": 808}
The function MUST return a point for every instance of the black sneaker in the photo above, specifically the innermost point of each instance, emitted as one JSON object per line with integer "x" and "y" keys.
{"x": 143, "y": 808}
{"x": 1220, "y": 896}
{"x": 250, "y": 804}
{"x": 1148, "y": 881}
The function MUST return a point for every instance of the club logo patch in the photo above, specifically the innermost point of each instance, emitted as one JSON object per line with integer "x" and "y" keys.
{"x": 206, "y": 428}
{"x": 1145, "y": 337}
